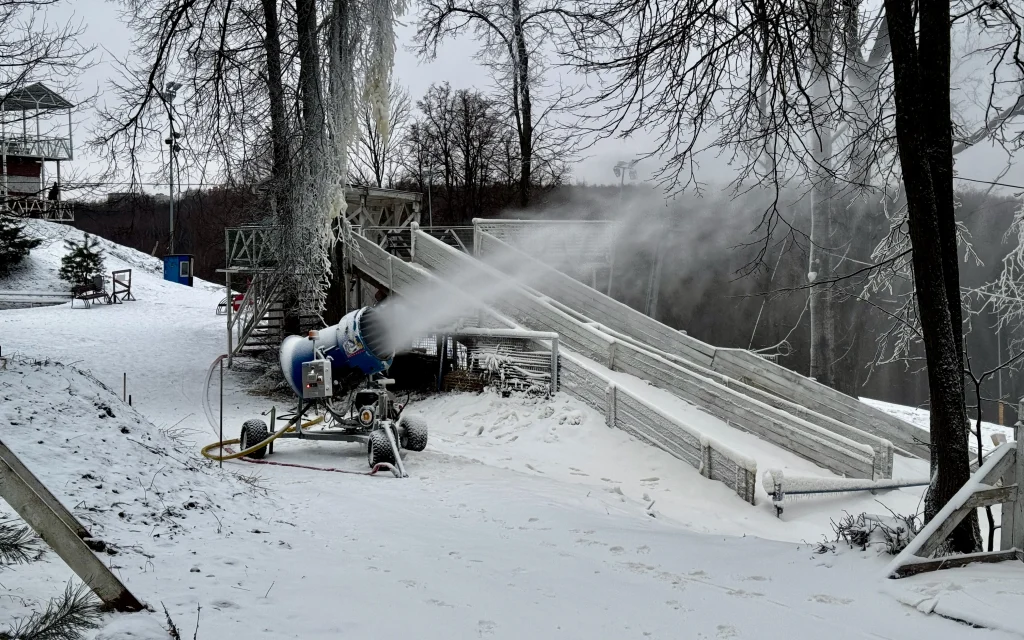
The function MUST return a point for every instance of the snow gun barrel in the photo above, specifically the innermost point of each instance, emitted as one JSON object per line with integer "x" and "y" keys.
{"x": 358, "y": 346}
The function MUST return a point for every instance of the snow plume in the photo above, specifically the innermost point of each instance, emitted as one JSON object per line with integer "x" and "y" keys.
{"x": 356, "y": 70}
{"x": 463, "y": 295}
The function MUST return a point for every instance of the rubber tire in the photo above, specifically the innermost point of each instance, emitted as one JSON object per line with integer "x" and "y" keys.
{"x": 253, "y": 432}
{"x": 378, "y": 449}
{"x": 414, "y": 432}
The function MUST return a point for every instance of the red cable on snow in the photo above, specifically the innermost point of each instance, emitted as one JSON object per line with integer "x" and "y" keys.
{"x": 379, "y": 466}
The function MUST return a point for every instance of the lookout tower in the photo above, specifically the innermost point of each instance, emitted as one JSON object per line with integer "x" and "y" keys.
{"x": 32, "y": 133}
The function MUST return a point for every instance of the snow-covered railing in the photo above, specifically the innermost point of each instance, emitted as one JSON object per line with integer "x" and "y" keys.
{"x": 738, "y": 364}
{"x": 634, "y": 415}
{"x": 594, "y": 304}
{"x": 996, "y": 482}
{"x": 571, "y": 241}
{"x": 834, "y": 452}
{"x": 748, "y": 368}
{"x": 883, "y": 449}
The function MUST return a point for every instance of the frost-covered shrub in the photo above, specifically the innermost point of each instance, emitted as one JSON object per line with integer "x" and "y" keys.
{"x": 893, "y": 533}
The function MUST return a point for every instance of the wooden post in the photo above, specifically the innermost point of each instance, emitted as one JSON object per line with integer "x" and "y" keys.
{"x": 231, "y": 306}
{"x": 39, "y": 515}
{"x": 1016, "y": 508}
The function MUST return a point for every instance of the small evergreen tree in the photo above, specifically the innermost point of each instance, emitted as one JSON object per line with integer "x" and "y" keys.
{"x": 14, "y": 246}
{"x": 83, "y": 261}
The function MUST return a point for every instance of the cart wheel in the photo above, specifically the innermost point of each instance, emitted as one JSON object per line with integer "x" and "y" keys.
{"x": 414, "y": 432}
{"x": 378, "y": 449}
{"x": 254, "y": 432}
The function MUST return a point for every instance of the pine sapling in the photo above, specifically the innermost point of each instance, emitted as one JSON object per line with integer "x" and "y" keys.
{"x": 83, "y": 261}
{"x": 14, "y": 244}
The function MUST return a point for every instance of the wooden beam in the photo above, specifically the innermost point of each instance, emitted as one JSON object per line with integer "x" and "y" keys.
{"x": 44, "y": 494}
{"x": 55, "y": 533}
{"x": 951, "y": 562}
{"x": 989, "y": 497}
{"x": 998, "y": 471}
{"x": 1008, "y": 512}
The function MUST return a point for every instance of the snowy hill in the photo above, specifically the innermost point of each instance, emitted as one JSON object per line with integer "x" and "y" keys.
{"x": 39, "y": 271}
{"x": 523, "y": 517}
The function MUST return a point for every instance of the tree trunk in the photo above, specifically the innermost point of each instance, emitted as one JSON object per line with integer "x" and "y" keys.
{"x": 522, "y": 71}
{"x": 309, "y": 60}
{"x": 822, "y": 309}
{"x": 929, "y": 211}
{"x": 278, "y": 115}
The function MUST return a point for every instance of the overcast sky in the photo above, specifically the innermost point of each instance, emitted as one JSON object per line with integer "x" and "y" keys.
{"x": 455, "y": 64}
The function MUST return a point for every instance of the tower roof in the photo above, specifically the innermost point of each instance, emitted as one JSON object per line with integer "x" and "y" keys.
{"x": 34, "y": 96}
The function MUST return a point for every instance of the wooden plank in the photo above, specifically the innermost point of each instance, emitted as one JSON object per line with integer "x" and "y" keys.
{"x": 989, "y": 497}
{"x": 35, "y": 511}
{"x": 992, "y": 470}
{"x": 44, "y": 494}
{"x": 952, "y": 562}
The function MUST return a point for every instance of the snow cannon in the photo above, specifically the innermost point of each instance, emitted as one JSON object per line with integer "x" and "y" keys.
{"x": 357, "y": 347}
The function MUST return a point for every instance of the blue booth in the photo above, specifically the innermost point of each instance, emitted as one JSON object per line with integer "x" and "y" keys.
{"x": 178, "y": 268}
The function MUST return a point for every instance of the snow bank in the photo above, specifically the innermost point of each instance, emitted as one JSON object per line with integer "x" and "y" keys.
{"x": 134, "y": 486}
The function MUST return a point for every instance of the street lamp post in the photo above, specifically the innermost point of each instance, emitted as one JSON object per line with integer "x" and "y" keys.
{"x": 168, "y": 94}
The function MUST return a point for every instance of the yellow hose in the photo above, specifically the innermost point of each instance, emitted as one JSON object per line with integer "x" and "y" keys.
{"x": 233, "y": 456}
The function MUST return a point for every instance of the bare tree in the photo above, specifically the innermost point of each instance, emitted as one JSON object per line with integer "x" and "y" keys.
{"x": 512, "y": 37}
{"x": 376, "y": 157}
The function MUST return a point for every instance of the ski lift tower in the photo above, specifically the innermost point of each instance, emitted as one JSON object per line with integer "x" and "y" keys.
{"x": 32, "y": 121}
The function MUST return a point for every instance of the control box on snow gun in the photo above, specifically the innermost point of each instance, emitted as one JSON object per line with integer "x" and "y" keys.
{"x": 354, "y": 348}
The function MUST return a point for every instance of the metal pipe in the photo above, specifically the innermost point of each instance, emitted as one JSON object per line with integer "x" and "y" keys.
{"x": 221, "y": 414}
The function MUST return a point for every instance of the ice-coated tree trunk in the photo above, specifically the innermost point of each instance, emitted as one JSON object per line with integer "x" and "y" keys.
{"x": 922, "y": 90}
{"x": 522, "y": 73}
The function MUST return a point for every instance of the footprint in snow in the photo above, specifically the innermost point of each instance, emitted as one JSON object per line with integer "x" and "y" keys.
{"x": 827, "y": 599}
{"x": 486, "y": 628}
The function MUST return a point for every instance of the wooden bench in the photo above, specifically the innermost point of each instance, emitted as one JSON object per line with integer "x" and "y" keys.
{"x": 89, "y": 292}
{"x": 121, "y": 286}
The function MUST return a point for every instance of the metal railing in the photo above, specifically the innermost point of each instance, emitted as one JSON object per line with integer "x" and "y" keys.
{"x": 38, "y": 147}
{"x": 30, "y": 207}
{"x": 257, "y": 300}
{"x": 251, "y": 247}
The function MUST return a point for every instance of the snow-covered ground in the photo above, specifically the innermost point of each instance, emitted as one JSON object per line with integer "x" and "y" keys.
{"x": 522, "y": 517}
{"x": 919, "y": 418}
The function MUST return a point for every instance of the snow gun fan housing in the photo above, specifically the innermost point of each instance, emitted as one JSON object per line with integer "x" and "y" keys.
{"x": 357, "y": 347}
